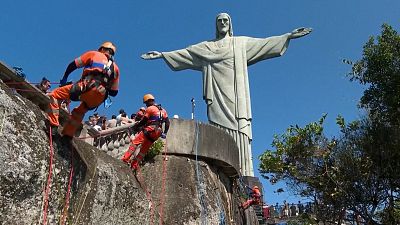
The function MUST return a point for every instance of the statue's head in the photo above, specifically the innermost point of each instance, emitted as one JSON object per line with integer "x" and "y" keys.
{"x": 223, "y": 25}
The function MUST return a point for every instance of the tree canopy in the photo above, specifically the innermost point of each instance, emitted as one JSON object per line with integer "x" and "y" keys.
{"x": 356, "y": 175}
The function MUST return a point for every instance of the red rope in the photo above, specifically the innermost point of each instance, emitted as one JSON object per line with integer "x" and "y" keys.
{"x": 164, "y": 178}
{"x": 148, "y": 195}
{"x": 46, "y": 193}
{"x": 23, "y": 90}
{"x": 66, "y": 205}
{"x": 24, "y": 82}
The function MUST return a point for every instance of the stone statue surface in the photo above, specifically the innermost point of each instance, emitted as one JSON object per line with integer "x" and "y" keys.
{"x": 223, "y": 62}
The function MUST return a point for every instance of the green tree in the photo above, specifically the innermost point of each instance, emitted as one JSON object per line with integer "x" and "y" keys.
{"x": 358, "y": 173}
{"x": 302, "y": 157}
{"x": 155, "y": 149}
{"x": 379, "y": 69}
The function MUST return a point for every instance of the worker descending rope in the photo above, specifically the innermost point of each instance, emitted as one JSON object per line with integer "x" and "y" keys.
{"x": 99, "y": 79}
{"x": 152, "y": 121}
{"x": 255, "y": 198}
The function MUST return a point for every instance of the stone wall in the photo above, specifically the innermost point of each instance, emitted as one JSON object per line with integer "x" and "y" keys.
{"x": 188, "y": 137}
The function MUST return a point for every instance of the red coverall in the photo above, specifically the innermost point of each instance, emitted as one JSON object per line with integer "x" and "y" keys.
{"x": 90, "y": 90}
{"x": 147, "y": 136}
{"x": 254, "y": 200}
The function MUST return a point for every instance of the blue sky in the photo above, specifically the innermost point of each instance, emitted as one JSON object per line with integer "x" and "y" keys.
{"x": 43, "y": 37}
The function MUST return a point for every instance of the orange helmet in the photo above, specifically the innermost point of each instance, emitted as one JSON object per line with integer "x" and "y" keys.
{"x": 255, "y": 187}
{"x": 147, "y": 97}
{"x": 109, "y": 45}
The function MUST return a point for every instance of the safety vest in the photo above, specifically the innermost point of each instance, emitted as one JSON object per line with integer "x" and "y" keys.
{"x": 98, "y": 70}
{"x": 99, "y": 67}
{"x": 156, "y": 115}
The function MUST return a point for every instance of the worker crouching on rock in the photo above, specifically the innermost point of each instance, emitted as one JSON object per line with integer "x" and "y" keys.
{"x": 99, "y": 79}
{"x": 152, "y": 122}
{"x": 255, "y": 198}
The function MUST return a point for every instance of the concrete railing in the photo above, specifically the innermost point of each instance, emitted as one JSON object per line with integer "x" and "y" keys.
{"x": 213, "y": 144}
{"x": 114, "y": 141}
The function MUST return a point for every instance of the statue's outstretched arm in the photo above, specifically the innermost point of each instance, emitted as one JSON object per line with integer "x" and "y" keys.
{"x": 152, "y": 55}
{"x": 299, "y": 32}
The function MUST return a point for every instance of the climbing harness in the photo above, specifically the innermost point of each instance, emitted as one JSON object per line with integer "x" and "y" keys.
{"x": 200, "y": 181}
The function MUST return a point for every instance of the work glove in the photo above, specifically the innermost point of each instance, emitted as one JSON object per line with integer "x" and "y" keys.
{"x": 163, "y": 135}
{"x": 63, "y": 81}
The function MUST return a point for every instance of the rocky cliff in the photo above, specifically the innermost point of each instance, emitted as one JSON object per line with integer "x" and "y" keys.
{"x": 88, "y": 186}
{"x": 101, "y": 191}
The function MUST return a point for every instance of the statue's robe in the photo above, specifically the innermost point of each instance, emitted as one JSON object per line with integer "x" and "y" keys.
{"x": 225, "y": 82}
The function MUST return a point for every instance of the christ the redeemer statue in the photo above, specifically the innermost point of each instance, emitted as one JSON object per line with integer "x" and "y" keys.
{"x": 223, "y": 62}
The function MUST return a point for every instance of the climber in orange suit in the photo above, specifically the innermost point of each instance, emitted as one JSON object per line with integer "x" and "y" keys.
{"x": 99, "y": 79}
{"x": 152, "y": 122}
{"x": 255, "y": 198}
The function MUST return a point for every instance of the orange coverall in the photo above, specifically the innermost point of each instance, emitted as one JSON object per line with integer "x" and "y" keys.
{"x": 254, "y": 200}
{"x": 147, "y": 136}
{"x": 90, "y": 90}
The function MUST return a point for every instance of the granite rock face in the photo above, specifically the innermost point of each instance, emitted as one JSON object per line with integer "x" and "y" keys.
{"x": 181, "y": 202}
{"x": 102, "y": 190}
